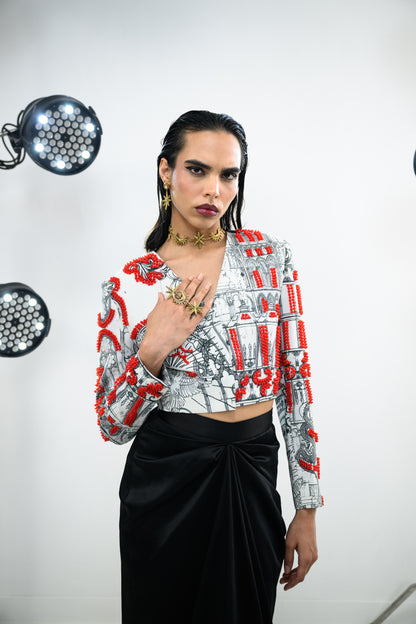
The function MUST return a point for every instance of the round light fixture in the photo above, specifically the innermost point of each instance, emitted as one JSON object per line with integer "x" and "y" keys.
{"x": 59, "y": 134}
{"x": 24, "y": 320}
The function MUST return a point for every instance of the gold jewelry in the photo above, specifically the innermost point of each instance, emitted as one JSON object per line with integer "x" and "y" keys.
{"x": 167, "y": 198}
{"x": 195, "y": 308}
{"x": 197, "y": 239}
{"x": 178, "y": 296}
{"x": 178, "y": 240}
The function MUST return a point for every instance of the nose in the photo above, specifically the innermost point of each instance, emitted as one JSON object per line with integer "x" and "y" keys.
{"x": 213, "y": 186}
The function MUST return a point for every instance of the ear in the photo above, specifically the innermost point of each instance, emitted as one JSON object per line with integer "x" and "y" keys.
{"x": 165, "y": 171}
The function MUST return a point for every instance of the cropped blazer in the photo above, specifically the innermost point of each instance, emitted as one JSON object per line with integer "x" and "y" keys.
{"x": 249, "y": 348}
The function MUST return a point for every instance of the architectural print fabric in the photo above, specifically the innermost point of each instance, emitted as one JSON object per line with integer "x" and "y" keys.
{"x": 250, "y": 347}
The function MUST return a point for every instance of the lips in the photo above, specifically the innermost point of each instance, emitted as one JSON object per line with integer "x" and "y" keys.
{"x": 209, "y": 210}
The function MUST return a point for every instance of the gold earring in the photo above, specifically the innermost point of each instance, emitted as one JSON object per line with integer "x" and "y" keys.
{"x": 167, "y": 199}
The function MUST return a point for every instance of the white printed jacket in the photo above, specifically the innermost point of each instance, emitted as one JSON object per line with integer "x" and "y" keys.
{"x": 250, "y": 347}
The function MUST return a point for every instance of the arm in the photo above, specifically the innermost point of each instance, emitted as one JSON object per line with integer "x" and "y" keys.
{"x": 126, "y": 390}
{"x": 128, "y": 383}
{"x": 294, "y": 410}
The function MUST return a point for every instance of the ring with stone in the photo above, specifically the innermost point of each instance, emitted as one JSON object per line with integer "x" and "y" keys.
{"x": 178, "y": 296}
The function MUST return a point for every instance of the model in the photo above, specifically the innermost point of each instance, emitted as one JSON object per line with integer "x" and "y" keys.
{"x": 198, "y": 337}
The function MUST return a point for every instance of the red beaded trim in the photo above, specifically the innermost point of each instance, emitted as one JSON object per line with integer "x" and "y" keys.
{"x": 112, "y": 395}
{"x": 98, "y": 386}
{"x": 183, "y": 354}
{"x": 152, "y": 389}
{"x": 305, "y": 369}
{"x": 265, "y": 305}
{"x": 264, "y": 339}
{"x": 277, "y": 353}
{"x": 151, "y": 275}
{"x": 120, "y": 300}
{"x": 291, "y": 295}
{"x": 322, "y": 500}
{"x": 258, "y": 279}
{"x": 104, "y": 437}
{"x": 259, "y": 251}
{"x": 269, "y": 250}
{"x": 316, "y": 467}
{"x": 313, "y": 434}
{"x": 309, "y": 391}
{"x": 132, "y": 415}
{"x": 250, "y": 235}
{"x": 295, "y": 275}
{"x": 289, "y": 398}
{"x": 191, "y": 373}
{"x": 302, "y": 336}
{"x": 286, "y": 341}
{"x": 274, "y": 277}
{"x": 236, "y": 347}
{"x": 263, "y": 382}
{"x": 131, "y": 376}
{"x": 290, "y": 371}
{"x": 249, "y": 252}
{"x": 109, "y": 334}
{"x": 278, "y": 310}
{"x": 108, "y": 319}
{"x": 240, "y": 392}
{"x": 245, "y": 316}
{"x": 136, "y": 328}
{"x": 299, "y": 299}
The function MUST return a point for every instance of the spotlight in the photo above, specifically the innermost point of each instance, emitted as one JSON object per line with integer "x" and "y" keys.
{"x": 24, "y": 320}
{"x": 58, "y": 132}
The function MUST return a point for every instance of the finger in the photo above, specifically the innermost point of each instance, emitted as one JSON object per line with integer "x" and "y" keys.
{"x": 193, "y": 286}
{"x": 292, "y": 581}
{"x": 289, "y": 556}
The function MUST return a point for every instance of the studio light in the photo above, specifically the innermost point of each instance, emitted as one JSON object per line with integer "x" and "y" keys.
{"x": 58, "y": 132}
{"x": 24, "y": 320}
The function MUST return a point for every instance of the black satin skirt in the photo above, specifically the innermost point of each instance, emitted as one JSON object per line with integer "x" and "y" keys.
{"x": 202, "y": 538}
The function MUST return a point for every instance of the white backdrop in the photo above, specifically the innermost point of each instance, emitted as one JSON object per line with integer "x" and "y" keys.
{"x": 326, "y": 91}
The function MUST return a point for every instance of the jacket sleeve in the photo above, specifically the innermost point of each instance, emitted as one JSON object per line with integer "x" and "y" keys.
{"x": 126, "y": 392}
{"x": 295, "y": 396}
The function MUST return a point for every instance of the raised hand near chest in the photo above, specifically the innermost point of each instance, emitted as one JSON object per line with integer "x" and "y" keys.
{"x": 173, "y": 319}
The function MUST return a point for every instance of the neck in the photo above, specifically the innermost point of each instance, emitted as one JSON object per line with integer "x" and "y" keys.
{"x": 198, "y": 239}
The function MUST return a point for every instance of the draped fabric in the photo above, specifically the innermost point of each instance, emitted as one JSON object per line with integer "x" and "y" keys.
{"x": 201, "y": 531}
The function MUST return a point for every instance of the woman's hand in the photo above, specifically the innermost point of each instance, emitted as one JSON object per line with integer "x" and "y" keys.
{"x": 301, "y": 536}
{"x": 169, "y": 324}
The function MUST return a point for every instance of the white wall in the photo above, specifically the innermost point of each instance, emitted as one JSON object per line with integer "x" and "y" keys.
{"x": 326, "y": 91}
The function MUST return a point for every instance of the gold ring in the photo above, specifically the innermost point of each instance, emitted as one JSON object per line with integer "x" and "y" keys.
{"x": 178, "y": 296}
{"x": 195, "y": 308}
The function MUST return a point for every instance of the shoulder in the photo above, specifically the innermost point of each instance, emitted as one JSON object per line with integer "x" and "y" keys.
{"x": 259, "y": 240}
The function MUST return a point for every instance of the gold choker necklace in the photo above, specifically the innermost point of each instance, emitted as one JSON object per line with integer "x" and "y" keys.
{"x": 198, "y": 239}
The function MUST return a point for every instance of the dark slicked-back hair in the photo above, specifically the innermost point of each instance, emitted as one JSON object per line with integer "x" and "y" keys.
{"x": 174, "y": 141}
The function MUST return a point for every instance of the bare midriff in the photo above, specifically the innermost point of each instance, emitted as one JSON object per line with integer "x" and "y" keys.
{"x": 241, "y": 413}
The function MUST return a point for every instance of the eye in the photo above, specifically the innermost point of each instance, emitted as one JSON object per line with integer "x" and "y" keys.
{"x": 195, "y": 170}
{"x": 232, "y": 175}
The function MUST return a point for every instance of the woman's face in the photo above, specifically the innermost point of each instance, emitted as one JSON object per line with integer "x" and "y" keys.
{"x": 204, "y": 180}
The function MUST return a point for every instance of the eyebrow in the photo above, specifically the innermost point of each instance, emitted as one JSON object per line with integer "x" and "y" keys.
{"x": 198, "y": 163}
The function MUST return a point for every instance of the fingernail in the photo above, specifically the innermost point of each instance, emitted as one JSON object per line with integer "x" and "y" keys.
{"x": 200, "y": 276}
